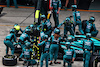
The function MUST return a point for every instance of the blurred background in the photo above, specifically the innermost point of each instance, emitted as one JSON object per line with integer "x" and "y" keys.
{"x": 82, "y": 4}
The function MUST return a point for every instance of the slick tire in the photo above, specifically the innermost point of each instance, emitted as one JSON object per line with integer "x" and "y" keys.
{"x": 9, "y": 61}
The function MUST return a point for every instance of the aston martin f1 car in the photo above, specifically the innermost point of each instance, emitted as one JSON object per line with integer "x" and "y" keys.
{"x": 77, "y": 44}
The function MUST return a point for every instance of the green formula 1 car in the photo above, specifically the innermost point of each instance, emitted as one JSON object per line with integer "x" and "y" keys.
{"x": 77, "y": 45}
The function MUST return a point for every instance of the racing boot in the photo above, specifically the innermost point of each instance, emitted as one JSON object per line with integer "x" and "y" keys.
{"x": 57, "y": 62}
{"x": 20, "y": 59}
{"x": 24, "y": 62}
{"x": 50, "y": 63}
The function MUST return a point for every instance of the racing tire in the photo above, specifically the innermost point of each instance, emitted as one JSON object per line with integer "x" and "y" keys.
{"x": 12, "y": 61}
